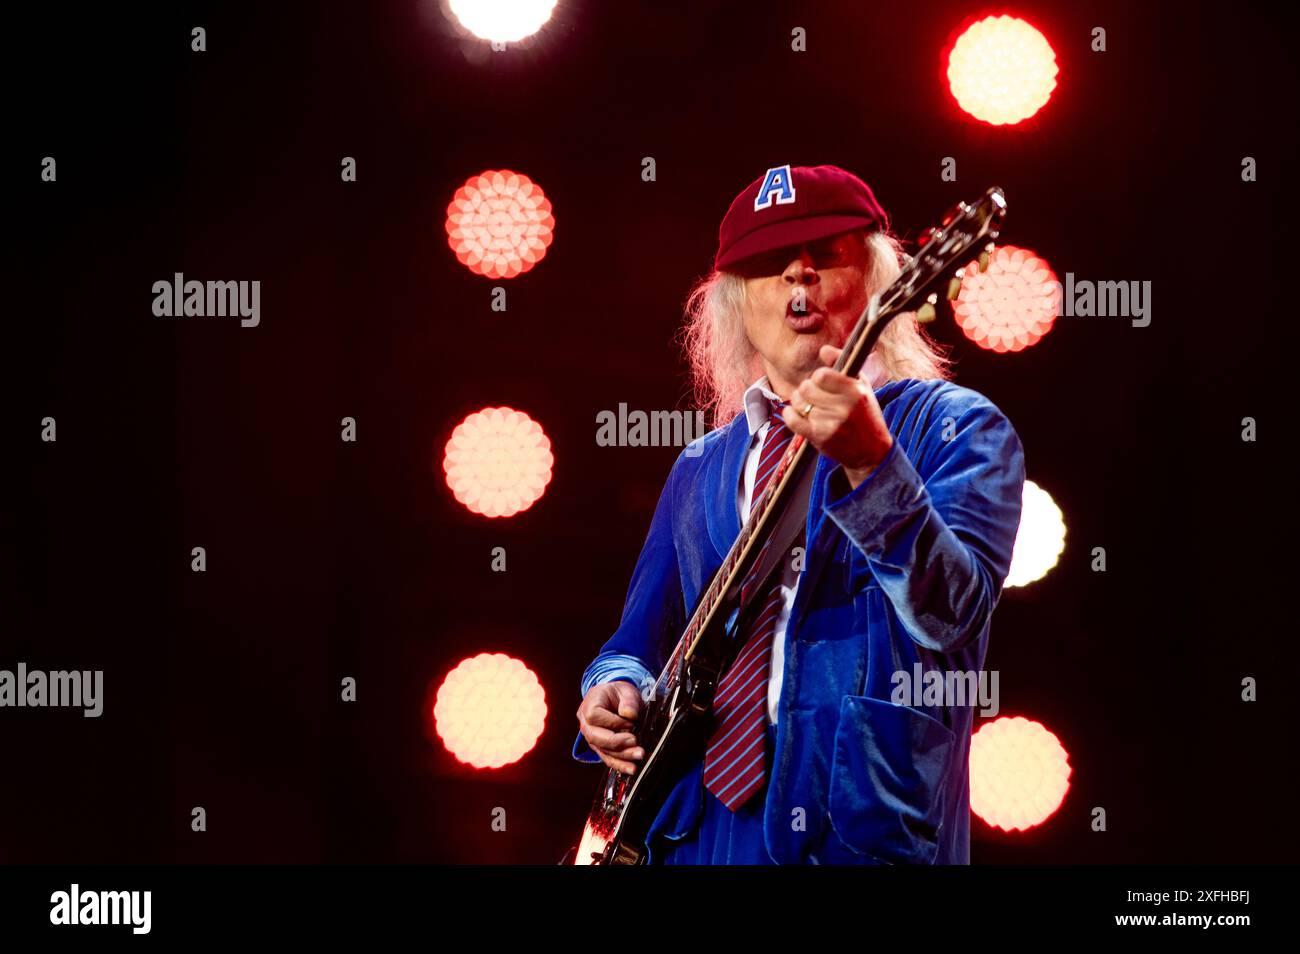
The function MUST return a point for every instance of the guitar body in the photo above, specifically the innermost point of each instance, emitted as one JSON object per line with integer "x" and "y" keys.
{"x": 620, "y": 817}
{"x": 675, "y": 720}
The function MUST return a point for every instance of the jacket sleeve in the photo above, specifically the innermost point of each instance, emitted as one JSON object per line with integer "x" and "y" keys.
{"x": 653, "y": 615}
{"x": 939, "y": 541}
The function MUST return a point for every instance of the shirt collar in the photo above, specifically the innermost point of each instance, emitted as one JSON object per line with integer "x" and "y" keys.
{"x": 757, "y": 404}
{"x": 759, "y": 397}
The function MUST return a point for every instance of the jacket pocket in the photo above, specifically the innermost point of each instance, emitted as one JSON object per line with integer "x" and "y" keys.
{"x": 888, "y": 779}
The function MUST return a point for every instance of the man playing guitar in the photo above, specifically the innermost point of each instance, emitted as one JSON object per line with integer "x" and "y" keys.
{"x": 912, "y": 516}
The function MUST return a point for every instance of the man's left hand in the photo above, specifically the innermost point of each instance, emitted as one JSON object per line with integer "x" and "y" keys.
{"x": 845, "y": 423}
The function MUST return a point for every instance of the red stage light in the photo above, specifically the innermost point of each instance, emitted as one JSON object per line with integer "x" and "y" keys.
{"x": 490, "y": 710}
{"x": 1019, "y": 773}
{"x": 498, "y": 462}
{"x": 1012, "y": 304}
{"x": 1001, "y": 70}
{"x": 499, "y": 224}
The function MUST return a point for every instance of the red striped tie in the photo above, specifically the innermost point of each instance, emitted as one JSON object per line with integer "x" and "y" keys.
{"x": 735, "y": 762}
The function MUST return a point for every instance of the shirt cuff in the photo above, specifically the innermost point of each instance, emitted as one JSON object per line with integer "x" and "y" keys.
{"x": 613, "y": 666}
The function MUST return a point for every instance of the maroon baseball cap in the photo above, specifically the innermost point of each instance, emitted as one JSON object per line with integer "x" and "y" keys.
{"x": 790, "y": 205}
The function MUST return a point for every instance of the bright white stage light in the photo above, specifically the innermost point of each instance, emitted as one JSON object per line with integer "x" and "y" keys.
{"x": 503, "y": 21}
{"x": 1002, "y": 70}
{"x": 1040, "y": 539}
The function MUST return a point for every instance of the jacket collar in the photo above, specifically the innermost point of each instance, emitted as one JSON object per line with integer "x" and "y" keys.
{"x": 724, "y": 477}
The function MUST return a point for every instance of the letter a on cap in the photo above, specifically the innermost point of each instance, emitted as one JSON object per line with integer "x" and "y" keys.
{"x": 778, "y": 187}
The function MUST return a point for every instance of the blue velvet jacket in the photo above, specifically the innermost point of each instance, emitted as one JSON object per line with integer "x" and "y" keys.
{"x": 906, "y": 568}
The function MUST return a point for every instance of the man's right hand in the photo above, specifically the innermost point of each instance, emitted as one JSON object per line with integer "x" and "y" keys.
{"x": 606, "y": 718}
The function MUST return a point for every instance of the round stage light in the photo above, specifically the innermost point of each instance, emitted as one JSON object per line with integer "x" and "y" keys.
{"x": 1011, "y": 304}
{"x": 1001, "y": 70}
{"x": 499, "y": 224}
{"x": 1019, "y": 773}
{"x": 503, "y": 21}
{"x": 490, "y": 710}
{"x": 1040, "y": 539}
{"x": 498, "y": 462}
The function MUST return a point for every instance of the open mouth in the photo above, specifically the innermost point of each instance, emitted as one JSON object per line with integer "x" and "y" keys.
{"x": 811, "y": 318}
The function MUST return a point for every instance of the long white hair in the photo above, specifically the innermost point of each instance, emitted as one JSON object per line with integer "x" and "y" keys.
{"x": 723, "y": 362}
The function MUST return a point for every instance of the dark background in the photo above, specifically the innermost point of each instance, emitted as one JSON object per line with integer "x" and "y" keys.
{"x": 328, "y": 559}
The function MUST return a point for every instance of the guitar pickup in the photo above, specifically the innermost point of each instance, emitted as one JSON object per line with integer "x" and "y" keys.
{"x": 700, "y": 686}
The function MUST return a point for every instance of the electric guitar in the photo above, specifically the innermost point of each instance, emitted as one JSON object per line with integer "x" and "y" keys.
{"x": 676, "y": 717}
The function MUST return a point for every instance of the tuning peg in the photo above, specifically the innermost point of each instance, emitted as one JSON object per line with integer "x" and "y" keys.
{"x": 954, "y": 285}
{"x": 926, "y": 312}
{"x": 985, "y": 257}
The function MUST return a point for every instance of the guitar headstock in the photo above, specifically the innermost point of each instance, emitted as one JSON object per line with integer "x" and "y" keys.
{"x": 965, "y": 233}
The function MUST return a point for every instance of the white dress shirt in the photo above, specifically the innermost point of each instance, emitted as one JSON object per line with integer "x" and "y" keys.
{"x": 757, "y": 412}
